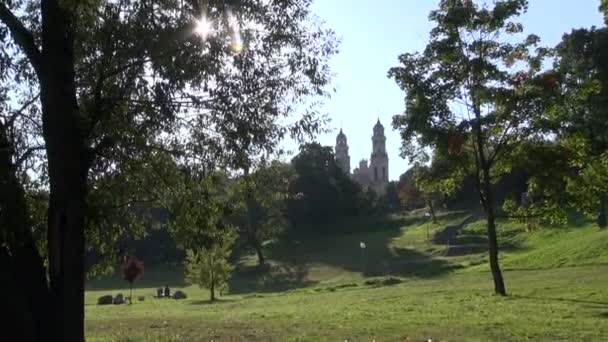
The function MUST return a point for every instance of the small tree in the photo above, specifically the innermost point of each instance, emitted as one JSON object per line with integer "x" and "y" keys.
{"x": 208, "y": 267}
{"x": 131, "y": 268}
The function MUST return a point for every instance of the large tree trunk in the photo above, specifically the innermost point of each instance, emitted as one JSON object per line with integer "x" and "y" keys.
{"x": 62, "y": 307}
{"x": 68, "y": 165}
{"x": 23, "y": 271}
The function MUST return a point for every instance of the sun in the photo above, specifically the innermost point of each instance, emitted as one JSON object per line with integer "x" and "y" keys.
{"x": 203, "y": 27}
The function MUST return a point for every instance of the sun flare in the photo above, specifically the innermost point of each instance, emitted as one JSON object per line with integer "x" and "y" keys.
{"x": 203, "y": 27}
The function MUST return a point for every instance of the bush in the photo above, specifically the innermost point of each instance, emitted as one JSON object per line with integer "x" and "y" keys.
{"x": 105, "y": 300}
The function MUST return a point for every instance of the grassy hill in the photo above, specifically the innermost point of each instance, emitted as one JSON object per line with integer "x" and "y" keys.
{"x": 415, "y": 280}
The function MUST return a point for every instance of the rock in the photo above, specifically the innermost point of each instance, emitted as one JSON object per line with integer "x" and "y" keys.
{"x": 159, "y": 292}
{"x": 105, "y": 300}
{"x": 119, "y": 299}
{"x": 167, "y": 293}
{"x": 179, "y": 294}
{"x": 141, "y": 298}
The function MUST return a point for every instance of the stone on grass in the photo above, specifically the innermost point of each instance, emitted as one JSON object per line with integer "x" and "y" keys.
{"x": 119, "y": 299}
{"x": 141, "y": 298}
{"x": 167, "y": 293}
{"x": 105, "y": 300}
{"x": 179, "y": 294}
{"x": 159, "y": 292}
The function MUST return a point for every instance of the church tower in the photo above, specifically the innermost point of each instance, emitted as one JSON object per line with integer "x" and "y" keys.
{"x": 379, "y": 160}
{"x": 341, "y": 151}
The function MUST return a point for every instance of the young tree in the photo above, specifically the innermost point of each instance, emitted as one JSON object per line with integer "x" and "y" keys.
{"x": 208, "y": 267}
{"x": 131, "y": 269}
{"x": 473, "y": 93}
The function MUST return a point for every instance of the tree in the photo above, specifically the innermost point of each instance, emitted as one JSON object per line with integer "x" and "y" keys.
{"x": 119, "y": 80}
{"x": 259, "y": 201}
{"x": 321, "y": 187}
{"x": 579, "y": 118}
{"x": 392, "y": 196}
{"x": 131, "y": 269}
{"x": 571, "y": 172}
{"x": 475, "y": 94}
{"x": 208, "y": 267}
{"x": 198, "y": 209}
{"x": 409, "y": 194}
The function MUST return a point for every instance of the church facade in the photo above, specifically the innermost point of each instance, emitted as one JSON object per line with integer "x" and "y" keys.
{"x": 373, "y": 176}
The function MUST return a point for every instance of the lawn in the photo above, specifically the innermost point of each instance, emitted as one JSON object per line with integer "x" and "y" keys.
{"x": 406, "y": 285}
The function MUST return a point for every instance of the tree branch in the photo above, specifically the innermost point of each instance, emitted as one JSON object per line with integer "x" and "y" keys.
{"x": 20, "y": 110}
{"x": 501, "y": 143}
{"x": 22, "y": 37}
{"x": 28, "y": 153}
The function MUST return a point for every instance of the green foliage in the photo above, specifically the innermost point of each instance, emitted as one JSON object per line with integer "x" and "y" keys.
{"x": 476, "y": 94}
{"x": 570, "y": 173}
{"x": 197, "y": 210}
{"x": 208, "y": 267}
{"x": 258, "y": 203}
{"x": 322, "y": 188}
{"x": 150, "y": 94}
{"x": 391, "y": 197}
{"x": 462, "y": 71}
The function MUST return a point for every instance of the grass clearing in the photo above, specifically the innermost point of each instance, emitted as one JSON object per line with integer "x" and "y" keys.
{"x": 404, "y": 286}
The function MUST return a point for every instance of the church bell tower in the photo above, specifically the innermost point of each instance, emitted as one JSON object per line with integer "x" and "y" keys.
{"x": 341, "y": 151}
{"x": 379, "y": 160}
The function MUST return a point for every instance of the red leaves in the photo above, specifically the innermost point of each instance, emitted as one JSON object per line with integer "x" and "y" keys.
{"x": 520, "y": 78}
{"x": 551, "y": 82}
{"x": 131, "y": 268}
{"x": 455, "y": 143}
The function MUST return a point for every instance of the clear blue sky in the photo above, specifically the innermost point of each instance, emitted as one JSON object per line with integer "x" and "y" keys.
{"x": 374, "y": 33}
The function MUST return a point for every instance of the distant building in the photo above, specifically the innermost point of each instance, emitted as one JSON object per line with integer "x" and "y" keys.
{"x": 341, "y": 152}
{"x": 374, "y": 176}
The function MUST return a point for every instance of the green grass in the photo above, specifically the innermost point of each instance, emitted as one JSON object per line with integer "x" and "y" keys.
{"x": 405, "y": 286}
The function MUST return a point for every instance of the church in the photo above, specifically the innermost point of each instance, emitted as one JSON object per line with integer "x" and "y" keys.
{"x": 373, "y": 176}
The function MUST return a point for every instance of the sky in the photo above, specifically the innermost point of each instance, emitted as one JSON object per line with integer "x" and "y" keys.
{"x": 375, "y": 33}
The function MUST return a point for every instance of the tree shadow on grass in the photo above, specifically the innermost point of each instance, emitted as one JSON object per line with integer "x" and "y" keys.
{"x": 159, "y": 276}
{"x": 269, "y": 278}
{"x": 459, "y": 241}
{"x": 378, "y": 258}
{"x": 218, "y": 301}
{"x": 567, "y": 300}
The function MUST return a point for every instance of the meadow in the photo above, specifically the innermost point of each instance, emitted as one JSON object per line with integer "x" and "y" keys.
{"x": 409, "y": 283}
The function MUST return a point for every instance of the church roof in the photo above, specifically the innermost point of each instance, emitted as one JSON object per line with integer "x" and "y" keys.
{"x": 341, "y": 134}
{"x": 378, "y": 124}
